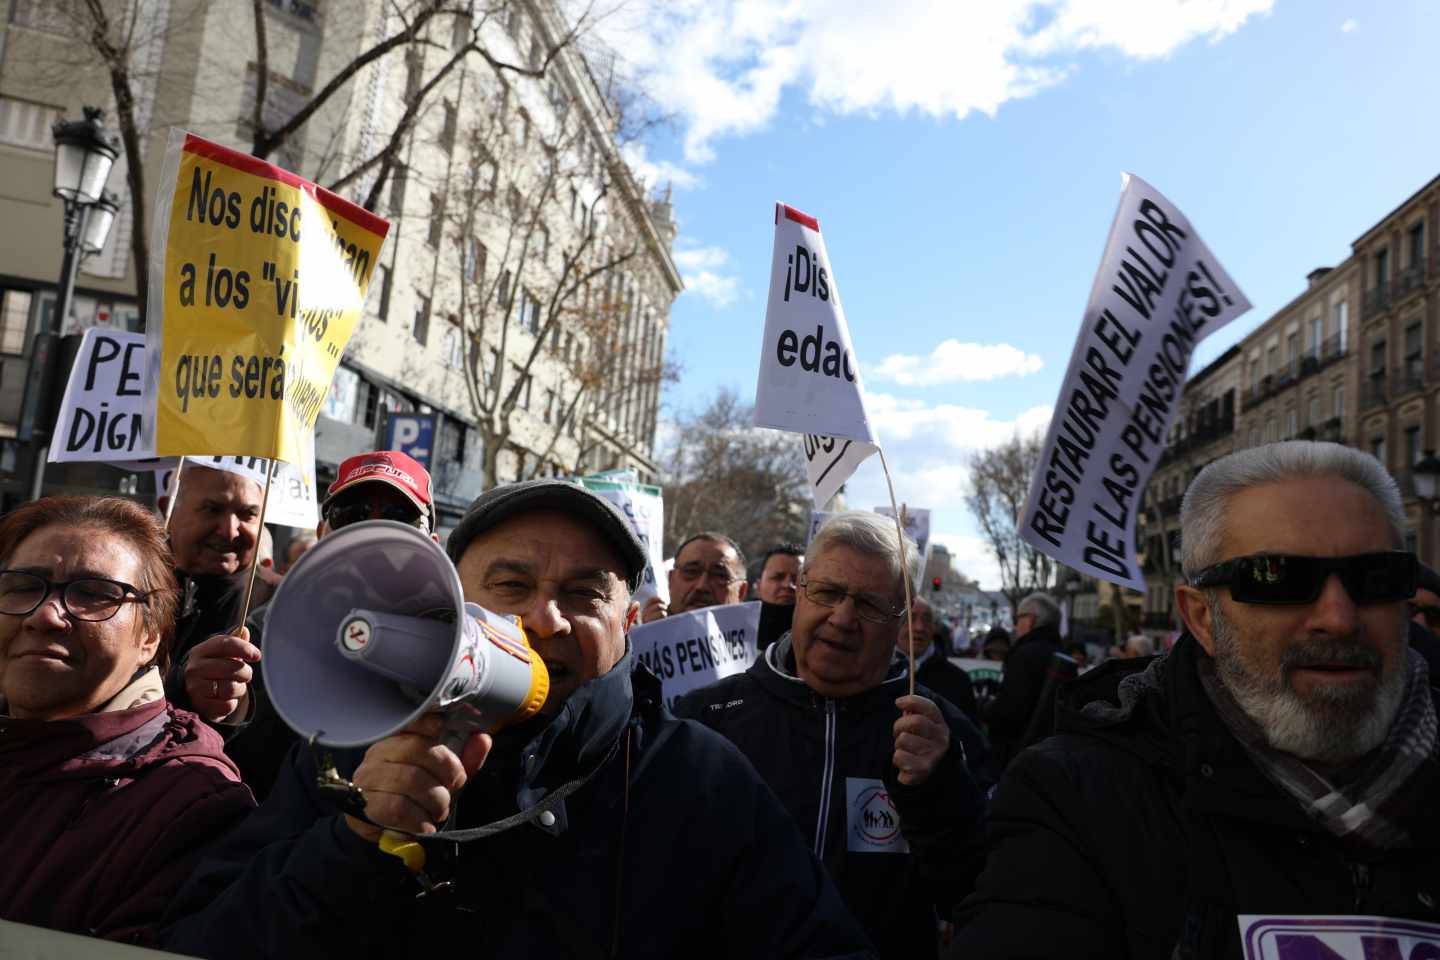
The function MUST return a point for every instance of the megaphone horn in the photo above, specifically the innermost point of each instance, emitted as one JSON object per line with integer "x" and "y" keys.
{"x": 370, "y": 631}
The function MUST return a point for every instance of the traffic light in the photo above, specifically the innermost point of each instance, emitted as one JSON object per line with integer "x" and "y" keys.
{"x": 935, "y": 585}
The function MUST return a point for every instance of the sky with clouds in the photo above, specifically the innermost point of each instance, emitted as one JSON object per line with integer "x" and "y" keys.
{"x": 964, "y": 161}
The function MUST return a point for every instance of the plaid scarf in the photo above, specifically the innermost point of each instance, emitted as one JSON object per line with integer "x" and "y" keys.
{"x": 1356, "y": 808}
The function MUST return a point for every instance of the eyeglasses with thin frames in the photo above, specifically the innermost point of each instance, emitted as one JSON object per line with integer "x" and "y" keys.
{"x": 91, "y": 599}
{"x": 867, "y": 608}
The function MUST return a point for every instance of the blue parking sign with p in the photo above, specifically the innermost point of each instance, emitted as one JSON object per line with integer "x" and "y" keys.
{"x": 412, "y": 434}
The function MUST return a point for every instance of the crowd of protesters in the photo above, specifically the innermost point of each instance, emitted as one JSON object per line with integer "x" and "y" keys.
{"x": 1278, "y": 759}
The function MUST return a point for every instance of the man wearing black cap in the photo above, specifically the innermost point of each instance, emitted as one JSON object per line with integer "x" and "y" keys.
{"x": 664, "y": 841}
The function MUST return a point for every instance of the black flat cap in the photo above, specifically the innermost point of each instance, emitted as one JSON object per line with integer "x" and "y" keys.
{"x": 495, "y": 506}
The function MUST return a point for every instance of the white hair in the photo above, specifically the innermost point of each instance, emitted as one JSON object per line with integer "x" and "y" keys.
{"x": 1041, "y": 606}
{"x": 868, "y": 533}
{"x": 1202, "y": 513}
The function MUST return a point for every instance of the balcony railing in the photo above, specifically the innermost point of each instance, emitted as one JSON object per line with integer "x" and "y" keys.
{"x": 1376, "y": 300}
{"x": 1411, "y": 280}
{"x": 1410, "y": 377}
{"x": 1373, "y": 392}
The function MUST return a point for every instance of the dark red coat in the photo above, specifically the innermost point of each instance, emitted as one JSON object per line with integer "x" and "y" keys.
{"x": 102, "y": 817}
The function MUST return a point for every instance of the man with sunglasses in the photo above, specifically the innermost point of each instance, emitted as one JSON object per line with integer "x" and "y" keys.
{"x": 883, "y": 784}
{"x": 222, "y": 674}
{"x": 1279, "y": 761}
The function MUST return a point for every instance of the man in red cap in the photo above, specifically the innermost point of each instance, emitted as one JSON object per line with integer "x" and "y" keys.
{"x": 221, "y": 672}
{"x": 381, "y": 485}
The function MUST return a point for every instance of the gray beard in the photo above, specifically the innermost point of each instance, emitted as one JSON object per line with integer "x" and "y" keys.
{"x": 1333, "y": 727}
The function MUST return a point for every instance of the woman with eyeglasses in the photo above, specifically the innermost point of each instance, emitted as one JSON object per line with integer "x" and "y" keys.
{"x": 108, "y": 794}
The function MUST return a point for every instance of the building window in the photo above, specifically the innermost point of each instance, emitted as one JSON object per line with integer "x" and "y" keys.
{"x": 1412, "y": 446}
{"x": 502, "y": 289}
{"x": 414, "y": 68}
{"x": 398, "y": 178}
{"x": 1292, "y": 347}
{"x": 1382, "y": 267}
{"x": 1271, "y": 430}
{"x": 437, "y": 221}
{"x": 475, "y": 257}
{"x": 1317, "y": 335}
{"x": 1377, "y": 449}
{"x": 1272, "y": 360}
{"x": 382, "y": 305}
{"x": 461, "y": 31}
{"x": 14, "y": 321}
{"x": 1377, "y": 358}
{"x": 1416, "y": 238}
{"x": 421, "y": 329}
{"x": 447, "y": 129}
{"x": 454, "y": 348}
{"x": 1338, "y": 396}
{"x": 1412, "y": 343}
{"x": 1291, "y": 427}
{"x": 24, "y": 124}
{"x": 1315, "y": 415}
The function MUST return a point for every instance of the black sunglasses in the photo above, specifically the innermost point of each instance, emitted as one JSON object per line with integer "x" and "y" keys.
{"x": 340, "y": 515}
{"x": 1274, "y": 578}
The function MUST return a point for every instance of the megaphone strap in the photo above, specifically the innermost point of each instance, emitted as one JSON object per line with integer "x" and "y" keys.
{"x": 350, "y": 799}
{"x": 550, "y": 802}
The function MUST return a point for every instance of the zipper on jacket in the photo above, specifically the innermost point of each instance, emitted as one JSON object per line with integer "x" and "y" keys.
{"x": 1360, "y": 879}
{"x": 827, "y": 778}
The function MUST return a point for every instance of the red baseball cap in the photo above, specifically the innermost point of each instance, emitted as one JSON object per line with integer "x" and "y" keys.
{"x": 397, "y": 469}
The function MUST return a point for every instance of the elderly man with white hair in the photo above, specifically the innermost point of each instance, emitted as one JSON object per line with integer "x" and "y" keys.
{"x": 1278, "y": 763}
{"x": 884, "y": 783}
{"x": 1037, "y": 639}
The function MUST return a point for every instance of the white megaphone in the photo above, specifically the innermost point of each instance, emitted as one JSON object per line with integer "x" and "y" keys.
{"x": 370, "y": 630}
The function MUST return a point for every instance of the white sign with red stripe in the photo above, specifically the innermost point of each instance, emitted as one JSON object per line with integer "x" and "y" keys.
{"x": 809, "y": 378}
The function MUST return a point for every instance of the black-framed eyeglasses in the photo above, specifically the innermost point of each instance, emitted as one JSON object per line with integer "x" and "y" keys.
{"x": 867, "y": 607}
{"x": 340, "y": 515}
{"x": 1269, "y": 578}
{"x": 92, "y": 599}
{"x": 719, "y": 572}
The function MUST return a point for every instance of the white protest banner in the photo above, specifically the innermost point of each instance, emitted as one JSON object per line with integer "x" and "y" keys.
{"x": 917, "y": 528}
{"x": 691, "y": 650}
{"x": 644, "y": 507}
{"x": 809, "y": 379}
{"x": 1337, "y": 938}
{"x": 829, "y": 462}
{"x": 292, "y": 503}
{"x": 101, "y": 417}
{"x": 1158, "y": 293}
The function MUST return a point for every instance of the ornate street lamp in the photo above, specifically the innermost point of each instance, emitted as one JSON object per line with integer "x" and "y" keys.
{"x": 84, "y": 153}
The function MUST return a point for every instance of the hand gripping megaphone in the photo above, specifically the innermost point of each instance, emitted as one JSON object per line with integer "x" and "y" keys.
{"x": 370, "y": 630}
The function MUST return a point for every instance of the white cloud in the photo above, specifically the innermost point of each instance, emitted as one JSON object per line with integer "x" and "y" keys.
{"x": 652, "y": 174}
{"x": 956, "y": 362}
{"x": 702, "y": 270}
{"x": 1349, "y": 26}
{"x": 721, "y": 66}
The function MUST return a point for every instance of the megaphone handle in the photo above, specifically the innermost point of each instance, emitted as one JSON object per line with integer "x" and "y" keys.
{"x": 457, "y": 730}
{"x": 409, "y": 851}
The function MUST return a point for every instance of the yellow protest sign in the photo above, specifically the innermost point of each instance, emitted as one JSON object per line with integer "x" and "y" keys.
{"x": 257, "y": 279}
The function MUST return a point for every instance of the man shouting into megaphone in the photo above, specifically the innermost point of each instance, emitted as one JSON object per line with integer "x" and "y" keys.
{"x": 666, "y": 842}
